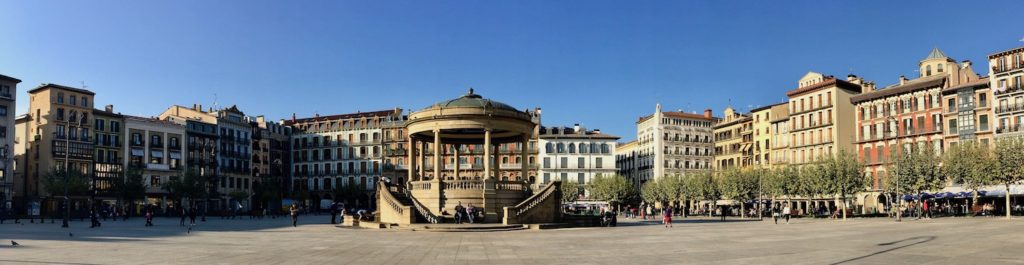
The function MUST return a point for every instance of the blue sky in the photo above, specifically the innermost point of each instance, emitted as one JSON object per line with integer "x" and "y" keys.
{"x": 599, "y": 63}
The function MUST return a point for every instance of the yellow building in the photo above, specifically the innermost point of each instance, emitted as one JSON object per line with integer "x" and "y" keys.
{"x": 733, "y": 140}
{"x": 761, "y": 119}
{"x": 779, "y": 132}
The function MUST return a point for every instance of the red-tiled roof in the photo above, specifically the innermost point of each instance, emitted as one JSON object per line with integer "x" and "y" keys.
{"x": 378, "y": 113}
{"x": 913, "y": 85}
{"x": 1010, "y": 51}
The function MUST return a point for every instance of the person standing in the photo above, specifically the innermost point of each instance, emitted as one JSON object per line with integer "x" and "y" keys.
{"x": 192, "y": 216}
{"x": 294, "y": 211}
{"x": 149, "y": 217}
{"x": 667, "y": 217}
{"x": 334, "y": 213}
{"x": 926, "y": 212}
{"x": 775, "y": 214}
{"x": 785, "y": 213}
{"x": 184, "y": 213}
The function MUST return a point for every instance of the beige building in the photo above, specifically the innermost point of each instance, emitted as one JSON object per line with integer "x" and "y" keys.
{"x": 821, "y": 117}
{"x": 57, "y": 131}
{"x": 967, "y": 104}
{"x": 764, "y": 133}
{"x": 627, "y": 161}
{"x": 1007, "y": 72}
{"x": 8, "y": 98}
{"x": 734, "y": 136}
{"x": 109, "y": 161}
{"x": 155, "y": 148}
{"x": 779, "y": 131}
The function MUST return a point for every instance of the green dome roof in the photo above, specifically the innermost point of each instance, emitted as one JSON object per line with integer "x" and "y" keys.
{"x": 471, "y": 100}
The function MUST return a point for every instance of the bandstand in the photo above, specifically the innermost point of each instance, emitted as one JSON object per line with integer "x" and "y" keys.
{"x": 452, "y": 154}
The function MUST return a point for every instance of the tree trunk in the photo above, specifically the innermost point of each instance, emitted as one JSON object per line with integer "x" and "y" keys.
{"x": 1006, "y": 187}
{"x": 743, "y": 210}
{"x": 843, "y": 200}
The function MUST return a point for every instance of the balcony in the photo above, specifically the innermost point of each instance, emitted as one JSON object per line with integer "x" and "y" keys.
{"x": 6, "y": 95}
{"x": 1010, "y": 108}
{"x": 996, "y": 69}
{"x": 1008, "y": 89}
{"x": 1009, "y": 129}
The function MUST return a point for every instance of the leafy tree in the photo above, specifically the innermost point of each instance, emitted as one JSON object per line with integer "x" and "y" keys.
{"x": 651, "y": 191}
{"x": 238, "y": 196}
{"x": 740, "y": 186}
{"x": 568, "y": 197}
{"x": 188, "y": 185}
{"x": 611, "y": 188}
{"x": 129, "y": 187}
{"x": 781, "y": 182}
{"x": 971, "y": 165}
{"x": 56, "y": 180}
{"x": 1008, "y": 165}
{"x": 846, "y": 175}
{"x": 703, "y": 186}
{"x": 917, "y": 171}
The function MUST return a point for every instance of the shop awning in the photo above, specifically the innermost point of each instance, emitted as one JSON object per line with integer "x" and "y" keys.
{"x": 175, "y": 155}
{"x": 138, "y": 152}
{"x": 157, "y": 153}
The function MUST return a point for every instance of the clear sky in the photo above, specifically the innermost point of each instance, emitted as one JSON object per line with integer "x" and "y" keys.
{"x": 599, "y": 63}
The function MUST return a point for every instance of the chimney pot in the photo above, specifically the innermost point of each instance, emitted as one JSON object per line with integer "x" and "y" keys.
{"x": 109, "y": 108}
{"x": 707, "y": 113}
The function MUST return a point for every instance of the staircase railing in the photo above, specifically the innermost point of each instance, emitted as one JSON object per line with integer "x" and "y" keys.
{"x": 395, "y": 212}
{"x": 422, "y": 210}
{"x": 543, "y": 207}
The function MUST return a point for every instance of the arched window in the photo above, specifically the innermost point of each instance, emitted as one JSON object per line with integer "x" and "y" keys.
{"x": 593, "y": 149}
{"x": 583, "y": 148}
{"x": 561, "y": 147}
{"x": 928, "y": 70}
{"x": 938, "y": 68}
{"x": 548, "y": 148}
{"x": 572, "y": 148}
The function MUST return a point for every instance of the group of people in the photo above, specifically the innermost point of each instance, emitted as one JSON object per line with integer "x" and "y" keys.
{"x": 466, "y": 214}
{"x": 190, "y": 213}
{"x": 781, "y": 212}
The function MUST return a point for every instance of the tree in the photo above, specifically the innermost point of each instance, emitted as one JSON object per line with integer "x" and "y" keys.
{"x": 740, "y": 186}
{"x": 703, "y": 186}
{"x": 781, "y": 182}
{"x": 189, "y": 184}
{"x": 810, "y": 182}
{"x": 570, "y": 197}
{"x": 238, "y": 196}
{"x": 611, "y": 188}
{"x": 917, "y": 171}
{"x": 56, "y": 180}
{"x": 651, "y": 191}
{"x": 846, "y": 174}
{"x": 129, "y": 187}
{"x": 971, "y": 165}
{"x": 1008, "y": 165}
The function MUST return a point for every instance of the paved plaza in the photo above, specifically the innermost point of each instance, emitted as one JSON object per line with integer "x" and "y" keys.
{"x": 692, "y": 241}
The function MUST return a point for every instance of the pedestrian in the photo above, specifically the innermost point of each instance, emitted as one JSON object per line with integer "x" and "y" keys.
{"x": 459, "y": 213}
{"x": 470, "y": 213}
{"x": 775, "y": 214}
{"x": 184, "y": 213}
{"x": 667, "y": 217}
{"x": 925, "y": 210}
{"x": 785, "y": 213}
{"x": 192, "y": 216}
{"x": 149, "y": 217}
{"x": 294, "y": 211}
{"x": 334, "y": 213}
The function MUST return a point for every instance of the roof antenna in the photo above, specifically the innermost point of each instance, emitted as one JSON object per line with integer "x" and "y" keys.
{"x": 215, "y": 101}
{"x": 83, "y": 84}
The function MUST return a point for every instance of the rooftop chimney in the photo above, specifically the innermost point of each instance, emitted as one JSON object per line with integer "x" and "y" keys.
{"x": 597, "y": 130}
{"x": 707, "y": 113}
{"x": 109, "y": 108}
{"x": 903, "y": 80}
{"x": 576, "y": 127}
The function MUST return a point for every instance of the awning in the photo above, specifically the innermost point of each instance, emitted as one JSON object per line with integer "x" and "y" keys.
{"x": 175, "y": 155}
{"x": 156, "y": 153}
{"x": 138, "y": 152}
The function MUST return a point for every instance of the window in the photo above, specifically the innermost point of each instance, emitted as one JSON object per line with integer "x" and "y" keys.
{"x": 581, "y": 163}
{"x": 597, "y": 162}
{"x": 951, "y": 105}
{"x": 60, "y": 97}
{"x": 154, "y": 181}
{"x": 572, "y": 148}
{"x": 548, "y": 148}
{"x": 952, "y": 127}
{"x": 72, "y": 101}
{"x": 983, "y": 123}
{"x": 60, "y": 114}
{"x": 3, "y": 111}
{"x": 85, "y": 102}
{"x": 564, "y": 163}
{"x": 927, "y": 70}
{"x": 938, "y": 68}
{"x": 982, "y": 100}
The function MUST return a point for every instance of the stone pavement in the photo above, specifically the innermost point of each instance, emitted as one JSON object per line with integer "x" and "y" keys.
{"x": 692, "y": 241}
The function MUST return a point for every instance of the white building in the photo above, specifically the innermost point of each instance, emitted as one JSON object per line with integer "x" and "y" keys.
{"x": 154, "y": 147}
{"x": 671, "y": 143}
{"x": 574, "y": 154}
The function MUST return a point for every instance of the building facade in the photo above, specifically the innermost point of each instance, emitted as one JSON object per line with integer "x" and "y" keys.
{"x": 395, "y": 147}
{"x": 821, "y": 117}
{"x": 969, "y": 104}
{"x": 733, "y": 140}
{"x": 8, "y": 98}
{"x": 108, "y": 129}
{"x": 155, "y": 149}
{"x": 761, "y": 119}
{"x": 271, "y": 151}
{"x": 1007, "y": 72}
{"x": 338, "y": 151}
{"x": 627, "y": 162}
{"x": 779, "y": 131}
{"x": 673, "y": 143}
{"x": 575, "y": 155}
{"x": 58, "y": 135}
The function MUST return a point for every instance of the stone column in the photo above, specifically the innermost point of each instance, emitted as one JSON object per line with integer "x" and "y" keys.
{"x": 436, "y": 187}
{"x": 421, "y": 146}
{"x": 524, "y": 157}
{"x": 487, "y": 153}
{"x": 456, "y": 153}
{"x": 412, "y": 160}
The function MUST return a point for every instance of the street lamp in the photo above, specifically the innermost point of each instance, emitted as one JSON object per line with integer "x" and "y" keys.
{"x": 67, "y": 171}
{"x": 899, "y": 199}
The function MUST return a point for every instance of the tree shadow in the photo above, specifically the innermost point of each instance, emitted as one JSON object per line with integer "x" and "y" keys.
{"x": 916, "y": 240}
{"x": 135, "y": 230}
{"x": 686, "y": 221}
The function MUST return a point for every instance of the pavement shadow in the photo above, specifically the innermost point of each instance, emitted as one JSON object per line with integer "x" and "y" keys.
{"x": 134, "y": 229}
{"x": 899, "y": 244}
{"x": 686, "y": 221}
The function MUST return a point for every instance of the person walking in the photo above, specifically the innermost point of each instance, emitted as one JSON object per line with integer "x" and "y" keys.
{"x": 294, "y": 211}
{"x": 149, "y": 217}
{"x": 925, "y": 211}
{"x": 192, "y": 216}
{"x": 184, "y": 213}
{"x": 775, "y": 214}
{"x": 785, "y": 213}
{"x": 667, "y": 217}
{"x": 334, "y": 213}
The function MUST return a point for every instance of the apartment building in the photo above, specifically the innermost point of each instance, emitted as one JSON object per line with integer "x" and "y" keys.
{"x": 396, "y": 159}
{"x": 8, "y": 100}
{"x": 155, "y": 149}
{"x": 1007, "y": 71}
{"x": 271, "y": 151}
{"x": 779, "y": 131}
{"x": 821, "y": 117}
{"x": 329, "y": 152}
{"x": 575, "y": 154}
{"x": 108, "y": 161}
{"x": 968, "y": 112}
{"x": 733, "y": 140}
{"x": 628, "y": 161}
{"x": 673, "y": 143}
{"x": 57, "y": 134}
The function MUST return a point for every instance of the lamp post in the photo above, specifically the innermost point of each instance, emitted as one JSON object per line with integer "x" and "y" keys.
{"x": 899, "y": 199}
{"x": 67, "y": 175}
